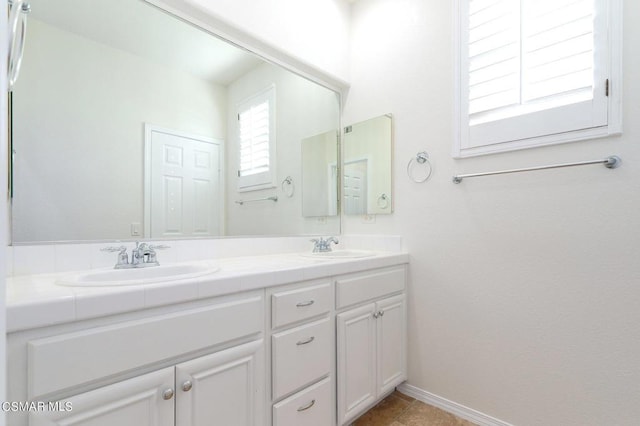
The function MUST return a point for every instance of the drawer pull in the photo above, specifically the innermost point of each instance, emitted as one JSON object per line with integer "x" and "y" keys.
{"x": 309, "y": 405}
{"x": 306, "y": 303}
{"x": 304, "y": 342}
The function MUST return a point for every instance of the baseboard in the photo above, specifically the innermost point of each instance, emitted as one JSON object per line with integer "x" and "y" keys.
{"x": 459, "y": 410}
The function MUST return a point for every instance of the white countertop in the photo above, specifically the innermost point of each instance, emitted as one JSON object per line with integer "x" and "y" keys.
{"x": 35, "y": 300}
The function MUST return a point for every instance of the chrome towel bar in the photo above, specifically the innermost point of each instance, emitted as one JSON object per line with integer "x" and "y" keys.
{"x": 274, "y": 199}
{"x": 611, "y": 162}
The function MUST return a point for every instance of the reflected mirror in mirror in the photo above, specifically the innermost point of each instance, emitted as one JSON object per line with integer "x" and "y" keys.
{"x": 130, "y": 123}
{"x": 320, "y": 175}
{"x": 367, "y": 167}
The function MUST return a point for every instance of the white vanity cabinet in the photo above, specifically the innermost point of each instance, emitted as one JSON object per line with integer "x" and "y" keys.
{"x": 316, "y": 352}
{"x": 203, "y": 362}
{"x": 371, "y": 339}
{"x": 302, "y": 354}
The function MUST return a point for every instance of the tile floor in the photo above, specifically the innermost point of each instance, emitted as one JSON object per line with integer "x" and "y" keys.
{"x": 402, "y": 410}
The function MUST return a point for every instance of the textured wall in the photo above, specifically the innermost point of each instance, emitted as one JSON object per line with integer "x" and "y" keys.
{"x": 524, "y": 291}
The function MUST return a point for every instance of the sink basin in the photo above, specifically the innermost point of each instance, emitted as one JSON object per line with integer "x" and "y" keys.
{"x": 339, "y": 254}
{"x": 138, "y": 276}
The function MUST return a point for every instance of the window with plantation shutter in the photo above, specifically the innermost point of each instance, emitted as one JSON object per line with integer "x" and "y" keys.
{"x": 256, "y": 141}
{"x": 536, "y": 72}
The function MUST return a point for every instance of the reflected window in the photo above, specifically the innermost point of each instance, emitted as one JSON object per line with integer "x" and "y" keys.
{"x": 257, "y": 142}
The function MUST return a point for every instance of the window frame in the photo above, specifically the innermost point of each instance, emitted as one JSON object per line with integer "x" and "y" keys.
{"x": 267, "y": 179}
{"x": 613, "y": 62}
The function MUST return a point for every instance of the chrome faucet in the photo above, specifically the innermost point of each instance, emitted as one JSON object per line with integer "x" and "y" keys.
{"x": 141, "y": 253}
{"x": 142, "y": 256}
{"x": 321, "y": 245}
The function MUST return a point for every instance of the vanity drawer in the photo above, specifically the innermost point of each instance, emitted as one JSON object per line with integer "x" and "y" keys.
{"x": 309, "y": 407}
{"x": 301, "y": 356}
{"x": 296, "y": 305}
{"x": 357, "y": 288}
{"x": 69, "y": 360}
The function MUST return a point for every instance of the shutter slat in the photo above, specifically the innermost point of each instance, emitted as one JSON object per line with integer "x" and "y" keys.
{"x": 559, "y": 51}
{"x": 498, "y": 100}
{"x": 494, "y": 72}
{"x": 579, "y": 62}
{"x": 571, "y": 30}
{"x": 562, "y": 84}
{"x": 494, "y": 57}
{"x": 498, "y": 85}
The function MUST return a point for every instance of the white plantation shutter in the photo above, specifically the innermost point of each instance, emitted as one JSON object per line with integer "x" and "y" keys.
{"x": 531, "y": 69}
{"x": 256, "y": 141}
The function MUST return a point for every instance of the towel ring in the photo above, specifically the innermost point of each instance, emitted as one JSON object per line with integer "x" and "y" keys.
{"x": 288, "y": 187}
{"x": 421, "y": 158}
{"x": 383, "y": 201}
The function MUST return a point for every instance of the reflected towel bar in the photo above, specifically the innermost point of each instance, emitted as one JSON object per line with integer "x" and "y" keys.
{"x": 610, "y": 162}
{"x": 274, "y": 199}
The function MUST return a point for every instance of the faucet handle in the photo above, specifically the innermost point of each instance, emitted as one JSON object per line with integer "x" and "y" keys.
{"x": 113, "y": 249}
{"x": 123, "y": 257}
{"x": 159, "y": 247}
{"x": 152, "y": 252}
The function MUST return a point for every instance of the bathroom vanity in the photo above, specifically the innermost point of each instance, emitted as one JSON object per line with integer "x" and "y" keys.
{"x": 289, "y": 341}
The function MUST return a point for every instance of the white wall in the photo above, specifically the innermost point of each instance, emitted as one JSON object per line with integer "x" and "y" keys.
{"x": 314, "y": 31}
{"x": 303, "y": 109}
{"x": 524, "y": 290}
{"x": 62, "y": 115}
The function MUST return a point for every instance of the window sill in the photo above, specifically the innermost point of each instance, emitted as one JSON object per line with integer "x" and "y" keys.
{"x": 561, "y": 138}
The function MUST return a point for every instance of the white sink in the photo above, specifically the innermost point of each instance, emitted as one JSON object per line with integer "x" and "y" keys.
{"x": 138, "y": 276}
{"x": 339, "y": 254}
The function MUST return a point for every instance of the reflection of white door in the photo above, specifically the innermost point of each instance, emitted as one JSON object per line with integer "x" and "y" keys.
{"x": 182, "y": 184}
{"x": 355, "y": 187}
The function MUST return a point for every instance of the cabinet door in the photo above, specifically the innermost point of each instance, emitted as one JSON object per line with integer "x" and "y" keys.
{"x": 142, "y": 401}
{"x": 391, "y": 342}
{"x": 224, "y": 388}
{"x": 356, "y": 361}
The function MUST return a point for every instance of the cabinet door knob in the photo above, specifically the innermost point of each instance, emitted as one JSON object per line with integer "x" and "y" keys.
{"x": 376, "y": 315}
{"x": 381, "y": 313}
{"x": 306, "y": 303}
{"x": 167, "y": 394}
{"x": 304, "y": 342}
{"x": 186, "y": 386}
{"x": 309, "y": 405}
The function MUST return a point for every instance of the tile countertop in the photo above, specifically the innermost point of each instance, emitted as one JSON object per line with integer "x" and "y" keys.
{"x": 35, "y": 300}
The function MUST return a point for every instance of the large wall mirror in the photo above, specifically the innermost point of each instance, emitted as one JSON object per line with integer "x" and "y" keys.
{"x": 130, "y": 123}
{"x": 367, "y": 172}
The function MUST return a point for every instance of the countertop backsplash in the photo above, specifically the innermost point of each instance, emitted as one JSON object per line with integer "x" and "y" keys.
{"x": 65, "y": 257}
